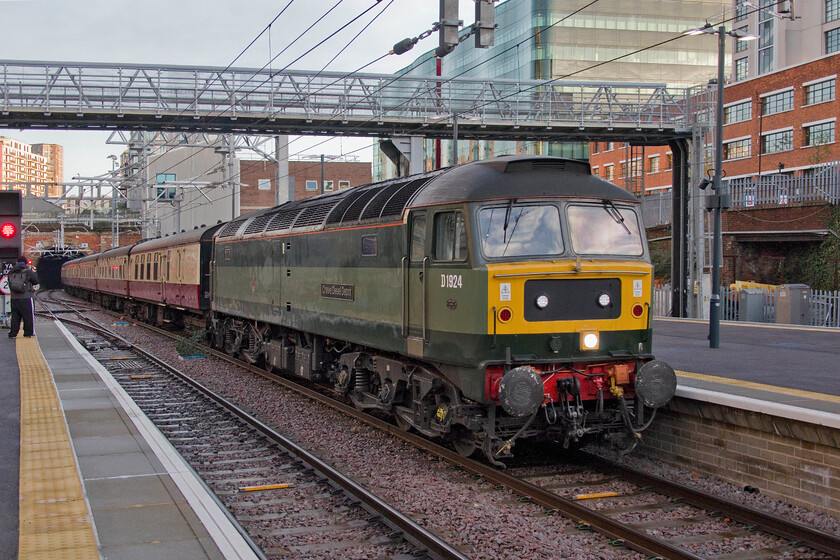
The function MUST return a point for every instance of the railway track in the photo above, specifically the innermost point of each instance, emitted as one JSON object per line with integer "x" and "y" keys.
{"x": 289, "y": 502}
{"x": 671, "y": 510}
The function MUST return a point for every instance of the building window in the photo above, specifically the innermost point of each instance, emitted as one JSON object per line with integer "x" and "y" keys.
{"x": 832, "y": 10}
{"x": 595, "y": 171}
{"x": 741, "y": 10}
{"x": 343, "y": 185}
{"x": 633, "y": 168}
{"x": 264, "y": 184}
{"x": 595, "y": 147}
{"x": 329, "y": 186}
{"x": 741, "y": 46}
{"x": 775, "y": 142}
{"x": 737, "y": 149}
{"x": 777, "y": 103}
{"x": 312, "y": 185}
{"x": 610, "y": 146}
{"x": 164, "y": 192}
{"x": 819, "y": 92}
{"x": 738, "y": 112}
{"x": 817, "y": 134}
{"x": 741, "y": 67}
{"x": 669, "y": 161}
{"x": 609, "y": 172}
{"x": 653, "y": 164}
{"x": 832, "y": 41}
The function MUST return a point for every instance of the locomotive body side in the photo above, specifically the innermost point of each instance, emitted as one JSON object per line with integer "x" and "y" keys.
{"x": 495, "y": 300}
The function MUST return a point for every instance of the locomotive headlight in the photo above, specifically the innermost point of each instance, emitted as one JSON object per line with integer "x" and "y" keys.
{"x": 542, "y": 301}
{"x": 604, "y": 299}
{"x": 589, "y": 341}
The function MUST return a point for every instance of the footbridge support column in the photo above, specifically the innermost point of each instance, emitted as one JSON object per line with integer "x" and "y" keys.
{"x": 406, "y": 152}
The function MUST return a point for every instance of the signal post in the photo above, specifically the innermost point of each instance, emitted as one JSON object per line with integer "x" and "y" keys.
{"x": 11, "y": 245}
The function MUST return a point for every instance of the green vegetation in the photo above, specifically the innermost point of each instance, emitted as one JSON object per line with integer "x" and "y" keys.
{"x": 820, "y": 266}
{"x": 189, "y": 346}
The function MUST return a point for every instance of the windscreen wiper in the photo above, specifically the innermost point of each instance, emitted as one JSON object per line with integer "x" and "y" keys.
{"x": 507, "y": 220}
{"x": 616, "y": 215}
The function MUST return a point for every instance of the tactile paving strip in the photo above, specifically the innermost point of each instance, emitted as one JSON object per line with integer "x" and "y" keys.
{"x": 54, "y": 518}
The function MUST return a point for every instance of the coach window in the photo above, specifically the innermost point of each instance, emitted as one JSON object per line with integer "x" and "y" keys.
{"x": 418, "y": 237}
{"x": 450, "y": 237}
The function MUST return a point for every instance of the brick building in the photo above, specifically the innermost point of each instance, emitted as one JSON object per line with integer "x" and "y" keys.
{"x": 258, "y": 180}
{"x": 24, "y": 163}
{"x": 781, "y": 122}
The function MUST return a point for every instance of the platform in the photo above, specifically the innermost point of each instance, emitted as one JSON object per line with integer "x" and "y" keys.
{"x": 90, "y": 476}
{"x": 784, "y": 370}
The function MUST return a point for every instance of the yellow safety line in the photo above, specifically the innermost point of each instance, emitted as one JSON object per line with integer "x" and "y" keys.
{"x": 760, "y": 387}
{"x": 54, "y": 518}
{"x": 753, "y": 325}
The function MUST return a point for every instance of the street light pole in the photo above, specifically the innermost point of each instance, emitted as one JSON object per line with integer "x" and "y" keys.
{"x": 716, "y": 202}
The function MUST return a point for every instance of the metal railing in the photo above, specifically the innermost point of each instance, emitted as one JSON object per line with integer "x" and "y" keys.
{"x": 249, "y": 100}
{"x": 824, "y": 306}
{"x": 748, "y": 192}
{"x": 780, "y": 190}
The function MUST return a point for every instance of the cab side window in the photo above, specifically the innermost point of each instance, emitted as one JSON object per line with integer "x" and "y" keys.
{"x": 450, "y": 237}
{"x": 418, "y": 237}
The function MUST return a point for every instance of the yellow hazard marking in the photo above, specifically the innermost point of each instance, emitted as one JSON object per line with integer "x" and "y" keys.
{"x": 596, "y": 495}
{"x": 747, "y": 325}
{"x": 760, "y": 387}
{"x": 54, "y": 518}
{"x": 265, "y": 487}
{"x": 142, "y": 376}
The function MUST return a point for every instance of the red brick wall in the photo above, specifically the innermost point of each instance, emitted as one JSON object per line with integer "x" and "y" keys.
{"x": 97, "y": 241}
{"x": 799, "y": 156}
{"x": 252, "y": 171}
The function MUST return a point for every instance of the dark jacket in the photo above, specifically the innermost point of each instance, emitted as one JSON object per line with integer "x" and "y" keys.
{"x": 32, "y": 281}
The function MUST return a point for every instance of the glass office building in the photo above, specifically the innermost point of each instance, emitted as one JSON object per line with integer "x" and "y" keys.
{"x": 611, "y": 40}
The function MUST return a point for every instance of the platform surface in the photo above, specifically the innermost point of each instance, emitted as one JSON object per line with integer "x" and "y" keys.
{"x": 128, "y": 495}
{"x": 788, "y": 365}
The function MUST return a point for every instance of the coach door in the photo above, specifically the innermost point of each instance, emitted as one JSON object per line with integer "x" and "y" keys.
{"x": 415, "y": 268}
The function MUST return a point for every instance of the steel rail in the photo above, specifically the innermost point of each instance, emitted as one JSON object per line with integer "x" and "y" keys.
{"x": 635, "y": 539}
{"x": 613, "y": 530}
{"x": 750, "y": 516}
{"x": 417, "y": 535}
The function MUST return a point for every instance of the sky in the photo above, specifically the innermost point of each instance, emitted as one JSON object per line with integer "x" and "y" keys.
{"x": 206, "y": 33}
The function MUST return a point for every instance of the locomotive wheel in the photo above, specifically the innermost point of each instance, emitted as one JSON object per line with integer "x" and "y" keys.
{"x": 403, "y": 424}
{"x": 463, "y": 440}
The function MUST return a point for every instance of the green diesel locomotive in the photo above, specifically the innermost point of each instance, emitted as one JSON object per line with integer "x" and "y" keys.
{"x": 501, "y": 299}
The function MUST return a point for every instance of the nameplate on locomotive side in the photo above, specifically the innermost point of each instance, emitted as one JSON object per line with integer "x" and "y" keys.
{"x": 347, "y": 292}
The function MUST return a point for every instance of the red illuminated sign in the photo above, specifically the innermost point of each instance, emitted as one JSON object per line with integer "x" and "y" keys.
{"x": 8, "y": 230}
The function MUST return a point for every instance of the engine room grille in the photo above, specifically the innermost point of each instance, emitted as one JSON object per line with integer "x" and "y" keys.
{"x": 282, "y": 219}
{"x": 231, "y": 228}
{"x": 314, "y": 215}
{"x": 258, "y": 224}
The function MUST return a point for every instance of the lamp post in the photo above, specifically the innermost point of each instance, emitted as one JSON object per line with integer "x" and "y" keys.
{"x": 719, "y": 200}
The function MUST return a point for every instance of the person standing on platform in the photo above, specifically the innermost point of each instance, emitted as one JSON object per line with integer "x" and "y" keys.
{"x": 22, "y": 282}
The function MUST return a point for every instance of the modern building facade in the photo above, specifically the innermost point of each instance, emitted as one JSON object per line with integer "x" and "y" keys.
{"x": 780, "y": 102}
{"x": 35, "y": 169}
{"x": 609, "y": 41}
{"x": 791, "y": 33}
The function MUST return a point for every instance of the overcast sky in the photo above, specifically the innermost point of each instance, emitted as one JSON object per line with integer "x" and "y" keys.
{"x": 205, "y": 33}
